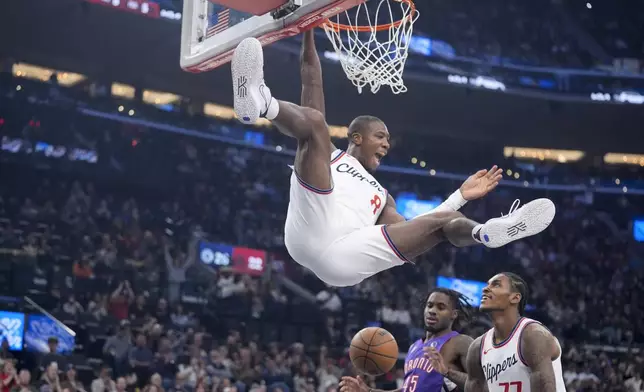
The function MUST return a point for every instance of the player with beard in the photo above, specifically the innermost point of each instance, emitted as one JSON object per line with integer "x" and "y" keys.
{"x": 435, "y": 363}
{"x": 518, "y": 354}
{"x": 341, "y": 223}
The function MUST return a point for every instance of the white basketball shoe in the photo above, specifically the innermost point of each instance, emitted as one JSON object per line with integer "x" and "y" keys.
{"x": 530, "y": 219}
{"x": 252, "y": 98}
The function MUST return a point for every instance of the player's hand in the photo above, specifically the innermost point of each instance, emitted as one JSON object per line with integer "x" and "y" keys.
{"x": 353, "y": 384}
{"x": 481, "y": 183}
{"x": 436, "y": 359}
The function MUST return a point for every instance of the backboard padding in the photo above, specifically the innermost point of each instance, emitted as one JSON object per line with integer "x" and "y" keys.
{"x": 200, "y": 55}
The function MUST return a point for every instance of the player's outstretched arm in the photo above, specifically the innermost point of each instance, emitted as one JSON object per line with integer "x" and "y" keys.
{"x": 476, "y": 186}
{"x": 537, "y": 344}
{"x": 475, "y": 377}
{"x": 311, "y": 73}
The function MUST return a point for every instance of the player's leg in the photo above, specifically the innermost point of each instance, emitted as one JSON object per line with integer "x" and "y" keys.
{"x": 370, "y": 250}
{"x": 373, "y": 249}
{"x": 461, "y": 232}
{"x": 253, "y": 100}
{"x": 415, "y": 237}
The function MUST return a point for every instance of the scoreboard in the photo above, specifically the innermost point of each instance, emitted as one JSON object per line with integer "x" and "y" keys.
{"x": 241, "y": 260}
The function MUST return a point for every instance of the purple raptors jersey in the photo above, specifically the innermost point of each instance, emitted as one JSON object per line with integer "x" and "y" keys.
{"x": 419, "y": 374}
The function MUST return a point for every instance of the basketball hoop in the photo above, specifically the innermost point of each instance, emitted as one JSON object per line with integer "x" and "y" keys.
{"x": 373, "y": 48}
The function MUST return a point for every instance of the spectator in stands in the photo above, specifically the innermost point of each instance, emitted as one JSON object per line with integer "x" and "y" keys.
{"x": 98, "y": 306}
{"x": 154, "y": 385}
{"x": 5, "y": 354}
{"x": 122, "y": 383}
{"x": 177, "y": 266}
{"x": 121, "y": 299}
{"x": 24, "y": 382}
{"x": 304, "y": 377}
{"x": 165, "y": 361}
{"x": 104, "y": 382}
{"x": 402, "y": 313}
{"x": 53, "y": 356}
{"x": 635, "y": 384}
{"x": 82, "y": 268}
{"x": 257, "y": 307}
{"x": 162, "y": 312}
{"x": 72, "y": 307}
{"x": 333, "y": 335}
{"x": 327, "y": 375}
{"x": 217, "y": 367}
{"x": 139, "y": 308}
{"x": 229, "y": 284}
{"x": 140, "y": 359}
{"x": 117, "y": 347}
{"x": 50, "y": 381}
{"x": 9, "y": 376}
{"x": 395, "y": 314}
{"x": 329, "y": 299}
{"x": 180, "y": 319}
{"x": 193, "y": 373}
{"x": 70, "y": 382}
{"x": 179, "y": 385}
{"x": 272, "y": 373}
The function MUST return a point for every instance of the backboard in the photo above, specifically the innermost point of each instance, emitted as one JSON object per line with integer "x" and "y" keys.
{"x": 210, "y": 30}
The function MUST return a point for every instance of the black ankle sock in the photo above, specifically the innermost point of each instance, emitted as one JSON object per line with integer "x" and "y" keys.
{"x": 477, "y": 235}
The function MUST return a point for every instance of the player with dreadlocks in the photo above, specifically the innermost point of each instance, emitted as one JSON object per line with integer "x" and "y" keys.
{"x": 518, "y": 354}
{"x": 435, "y": 363}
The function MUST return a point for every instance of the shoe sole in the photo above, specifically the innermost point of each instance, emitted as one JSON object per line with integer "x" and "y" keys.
{"x": 248, "y": 73}
{"x": 531, "y": 219}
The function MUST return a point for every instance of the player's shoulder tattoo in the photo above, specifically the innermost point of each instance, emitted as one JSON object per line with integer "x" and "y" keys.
{"x": 536, "y": 344}
{"x": 476, "y": 381}
{"x": 474, "y": 356}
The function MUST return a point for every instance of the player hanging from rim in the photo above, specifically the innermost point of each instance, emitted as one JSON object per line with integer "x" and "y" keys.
{"x": 437, "y": 362}
{"x": 518, "y": 354}
{"x": 341, "y": 223}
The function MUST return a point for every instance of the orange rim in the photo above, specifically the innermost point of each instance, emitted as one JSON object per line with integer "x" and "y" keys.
{"x": 365, "y": 29}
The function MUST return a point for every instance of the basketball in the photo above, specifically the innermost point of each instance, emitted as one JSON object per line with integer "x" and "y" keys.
{"x": 373, "y": 351}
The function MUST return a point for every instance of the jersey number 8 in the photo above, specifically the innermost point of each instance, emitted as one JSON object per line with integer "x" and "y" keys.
{"x": 376, "y": 202}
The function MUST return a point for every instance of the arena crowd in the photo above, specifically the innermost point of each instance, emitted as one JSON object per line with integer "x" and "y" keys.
{"x": 109, "y": 246}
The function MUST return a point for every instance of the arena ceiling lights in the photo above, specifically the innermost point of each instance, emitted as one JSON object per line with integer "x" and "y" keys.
{"x": 527, "y": 153}
{"x": 617, "y": 158}
{"x": 123, "y": 90}
{"x": 34, "y": 72}
{"x": 160, "y": 98}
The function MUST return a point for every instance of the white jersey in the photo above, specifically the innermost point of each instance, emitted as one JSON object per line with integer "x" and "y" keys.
{"x": 333, "y": 231}
{"x": 504, "y": 367}
{"x": 359, "y": 197}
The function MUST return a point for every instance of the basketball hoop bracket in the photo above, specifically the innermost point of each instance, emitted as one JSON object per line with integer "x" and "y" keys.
{"x": 286, "y": 9}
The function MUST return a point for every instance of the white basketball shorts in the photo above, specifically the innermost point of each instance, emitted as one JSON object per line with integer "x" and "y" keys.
{"x": 315, "y": 239}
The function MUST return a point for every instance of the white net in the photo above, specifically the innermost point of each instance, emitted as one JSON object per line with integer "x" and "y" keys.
{"x": 372, "y": 42}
